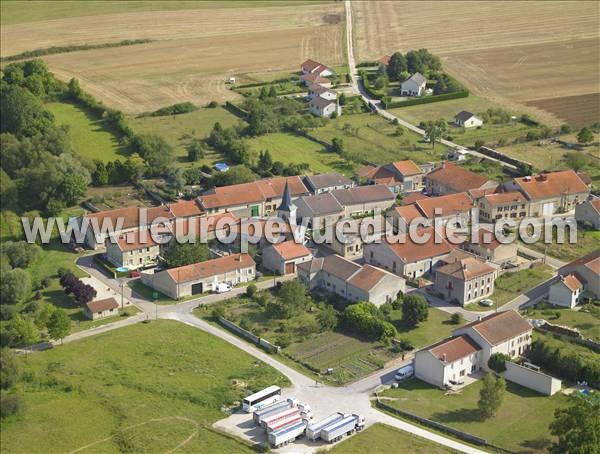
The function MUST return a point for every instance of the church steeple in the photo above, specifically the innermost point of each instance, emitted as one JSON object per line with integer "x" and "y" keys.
{"x": 287, "y": 209}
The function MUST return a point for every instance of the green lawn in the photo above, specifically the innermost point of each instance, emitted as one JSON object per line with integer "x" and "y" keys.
{"x": 584, "y": 320}
{"x": 521, "y": 424}
{"x": 374, "y": 139}
{"x": 146, "y": 387}
{"x": 587, "y": 241}
{"x": 89, "y": 137}
{"x": 510, "y": 285}
{"x": 11, "y": 228}
{"x": 489, "y": 169}
{"x": 293, "y": 149}
{"x": 149, "y": 293}
{"x": 566, "y": 347}
{"x": 351, "y": 356}
{"x": 179, "y": 130}
{"x": 380, "y": 438}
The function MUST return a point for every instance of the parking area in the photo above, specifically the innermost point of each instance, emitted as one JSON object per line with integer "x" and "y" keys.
{"x": 103, "y": 291}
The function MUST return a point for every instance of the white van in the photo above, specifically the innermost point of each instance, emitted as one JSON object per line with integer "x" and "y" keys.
{"x": 222, "y": 287}
{"x": 404, "y": 372}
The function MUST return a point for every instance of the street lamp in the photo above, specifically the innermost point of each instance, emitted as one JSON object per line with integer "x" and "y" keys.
{"x": 122, "y": 285}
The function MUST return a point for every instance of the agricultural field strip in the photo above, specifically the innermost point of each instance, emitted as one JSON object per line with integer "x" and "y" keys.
{"x": 174, "y": 25}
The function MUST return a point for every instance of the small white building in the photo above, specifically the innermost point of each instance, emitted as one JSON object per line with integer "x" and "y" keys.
{"x": 466, "y": 119}
{"x": 324, "y": 107}
{"x": 414, "y": 85}
{"x": 283, "y": 258}
{"x": 565, "y": 291}
{"x": 95, "y": 310}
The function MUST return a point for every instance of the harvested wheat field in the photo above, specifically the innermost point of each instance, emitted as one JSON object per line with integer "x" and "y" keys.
{"x": 192, "y": 54}
{"x": 511, "y": 52}
{"x": 574, "y": 110}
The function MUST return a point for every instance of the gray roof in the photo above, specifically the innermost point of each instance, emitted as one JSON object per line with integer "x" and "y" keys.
{"x": 322, "y": 204}
{"x": 327, "y": 180}
{"x": 321, "y": 102}
{"x": 363, "y": 194}
{"x": 333, "y": 264}
{"x": 286, "y": 201}
{"x": 418, "y": 78}
{"x": 464, "y": 115}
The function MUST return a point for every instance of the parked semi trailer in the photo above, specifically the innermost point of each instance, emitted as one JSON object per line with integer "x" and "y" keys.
{"x": 313, "y": 431}
{"x": 346, "y": 426}
{"x": 278, "y": 416}
{"x": 281, "y": 423}
{"x": 287, "y": 434}
{"x": 272, "y": 409}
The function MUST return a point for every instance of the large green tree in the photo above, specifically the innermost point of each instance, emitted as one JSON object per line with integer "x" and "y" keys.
{"x": 577, "y": 427}
{"x": 585, "y": 135}
{"x": 15, "y": 286}
{"x": 181, "y": 254}
{"x": 435, "y": 130}
{"x": 59, "y": 325}
{"x": 414, "y": 310}
{"x": 21, "y": 113}
{"x": 491, "y": 395}
{"x": 396, "y": 66}
{"x": 9, "y": 368}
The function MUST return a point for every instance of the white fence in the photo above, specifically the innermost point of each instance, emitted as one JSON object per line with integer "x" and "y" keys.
{"x": 532, "y": 379}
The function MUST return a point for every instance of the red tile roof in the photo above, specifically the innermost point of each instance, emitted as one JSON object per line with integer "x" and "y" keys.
{"x": 553, "y": 184}
{"x": 131, "y": 215}
{"x": 413, "y": 197}
{"x": 221, "y": 265}
{"x": 590, "y": 261}
{"x": 253, "y": 192}
{"x": 407, "y": 168}
{"x": 453, "y": 349}
{"x": 310, "y": 65}
{"x": 466, "y": 268}
{"x": 410, "y": 252}
{"x": 385, "y": 60}
{"x": 457, "y": 178}
{"x": 315, "y": 79}
{"x": 572, "y": 283}
{"x": 186, "y": 208}
{"x": 501, "y": 198}
{"x": 289, "y": 250}
{"x": 447, "y": 205}
{"x": 367, "y": 277}
{"x": 102, "y": 305}
{"x": 500, "y": 326}
{"x": 131, "y": 241}
{"x": 408, "y": 212}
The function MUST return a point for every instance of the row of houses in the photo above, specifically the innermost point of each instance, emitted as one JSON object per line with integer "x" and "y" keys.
{"x": 323, "y": 101}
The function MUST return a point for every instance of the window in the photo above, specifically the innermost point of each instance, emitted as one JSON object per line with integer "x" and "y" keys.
{"x": 462, "y": 372}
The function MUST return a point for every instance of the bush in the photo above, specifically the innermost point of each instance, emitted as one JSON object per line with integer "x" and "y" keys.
{"x": 497, "y": 362}
{"x": 212, "y": 105}
{"x": 175, "y": 109}
{"x": 456, "y": 318}
{"x": 428, "y": 99}
{"x": 251, "y": 290}
{"x": 10, "y": 404}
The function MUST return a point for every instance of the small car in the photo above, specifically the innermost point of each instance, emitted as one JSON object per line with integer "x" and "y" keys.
{"x": 486, "y": 302}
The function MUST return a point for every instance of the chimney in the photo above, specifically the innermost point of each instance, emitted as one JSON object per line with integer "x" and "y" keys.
{"x": 239, "y": 258}
{"x": 479, "y": 317}
{"x": 444, "y": 357}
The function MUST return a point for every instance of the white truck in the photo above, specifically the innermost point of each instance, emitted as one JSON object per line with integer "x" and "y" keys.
{"x": 272, "y": 409}
{"x": 287, "y": 434}
{"x": 313, "y": 431}
{"x": 278, "y": 416}
{"x": 347, "y": 426}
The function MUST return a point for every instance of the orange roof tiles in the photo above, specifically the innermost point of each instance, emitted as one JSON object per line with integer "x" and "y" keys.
{"x": 590, "y": 261}
{"x": 131, "y": 215}
{"x": 572, "y": 282}
{"x": 457, "y": 178}
{"x": 102, "y": 305}
{"x": 454, "y": 349}
{"x": 501, "y": 198}
{"x": 408, "y": 212}
{"x": 186, "y": 208}
{"x": 553, "y": 184}
{"x": 407, "y": 168}
{"x": 446, "y": 204}
{"x": 289, "y": 250}
{"x": 132, "y": 241}
{"x": 367, "y": 277}
{"x": 410, "y": 252}
{"x": 221, "y": 265}
{"x": 466, "y": 268}
{"x": 413, "y": 197}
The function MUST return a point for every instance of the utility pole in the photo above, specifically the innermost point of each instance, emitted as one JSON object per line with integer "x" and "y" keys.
{"x": 122, "y": 284}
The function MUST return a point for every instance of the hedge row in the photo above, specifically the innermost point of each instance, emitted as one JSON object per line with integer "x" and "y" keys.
{"x": 276, "y": 81}
{"x": 236, "y": 110}
{"x": 428, "y": 99}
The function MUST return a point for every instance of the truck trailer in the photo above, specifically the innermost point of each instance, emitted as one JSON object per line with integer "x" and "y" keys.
{"x": 272, "y": 409}
{"x": 336, "y": 431}
{"x": 281, "y": 423}
{"x": 313, "y": 431}
{"x": 278, "y": 416}
{"x": 287, "y": 434}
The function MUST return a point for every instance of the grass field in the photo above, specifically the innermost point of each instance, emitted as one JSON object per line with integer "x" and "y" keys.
{"x": 507, "y": 55}
{"x": 350, "y": 356}
{"x": 587, "y": 241}
{"x": 192, "y": 53}
{"x": 293, "y": 149}
{"x": 374, "y": 139}
{"x": 179, "y": 130}
{"x": 510, "y": 285}
{"x": 146, "y": 387}
{"x": 521, "y": 424}
{"x": 89, "y": 137}
{"x": 586, "y": 322}
{"x": 379, "y": 438}
{"x": 565, "y": 347}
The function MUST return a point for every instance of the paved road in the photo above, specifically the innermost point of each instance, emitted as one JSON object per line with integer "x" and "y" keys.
{"x": 550, "y": 261}
{"x": 358, "y": 88}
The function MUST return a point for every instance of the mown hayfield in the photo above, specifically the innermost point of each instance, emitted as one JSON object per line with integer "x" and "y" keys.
{"x": 89, "y": 136}
{"x": 511, "y": 52}
{"x": 144, "y": 388}
{"x": 193, "y": 52}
